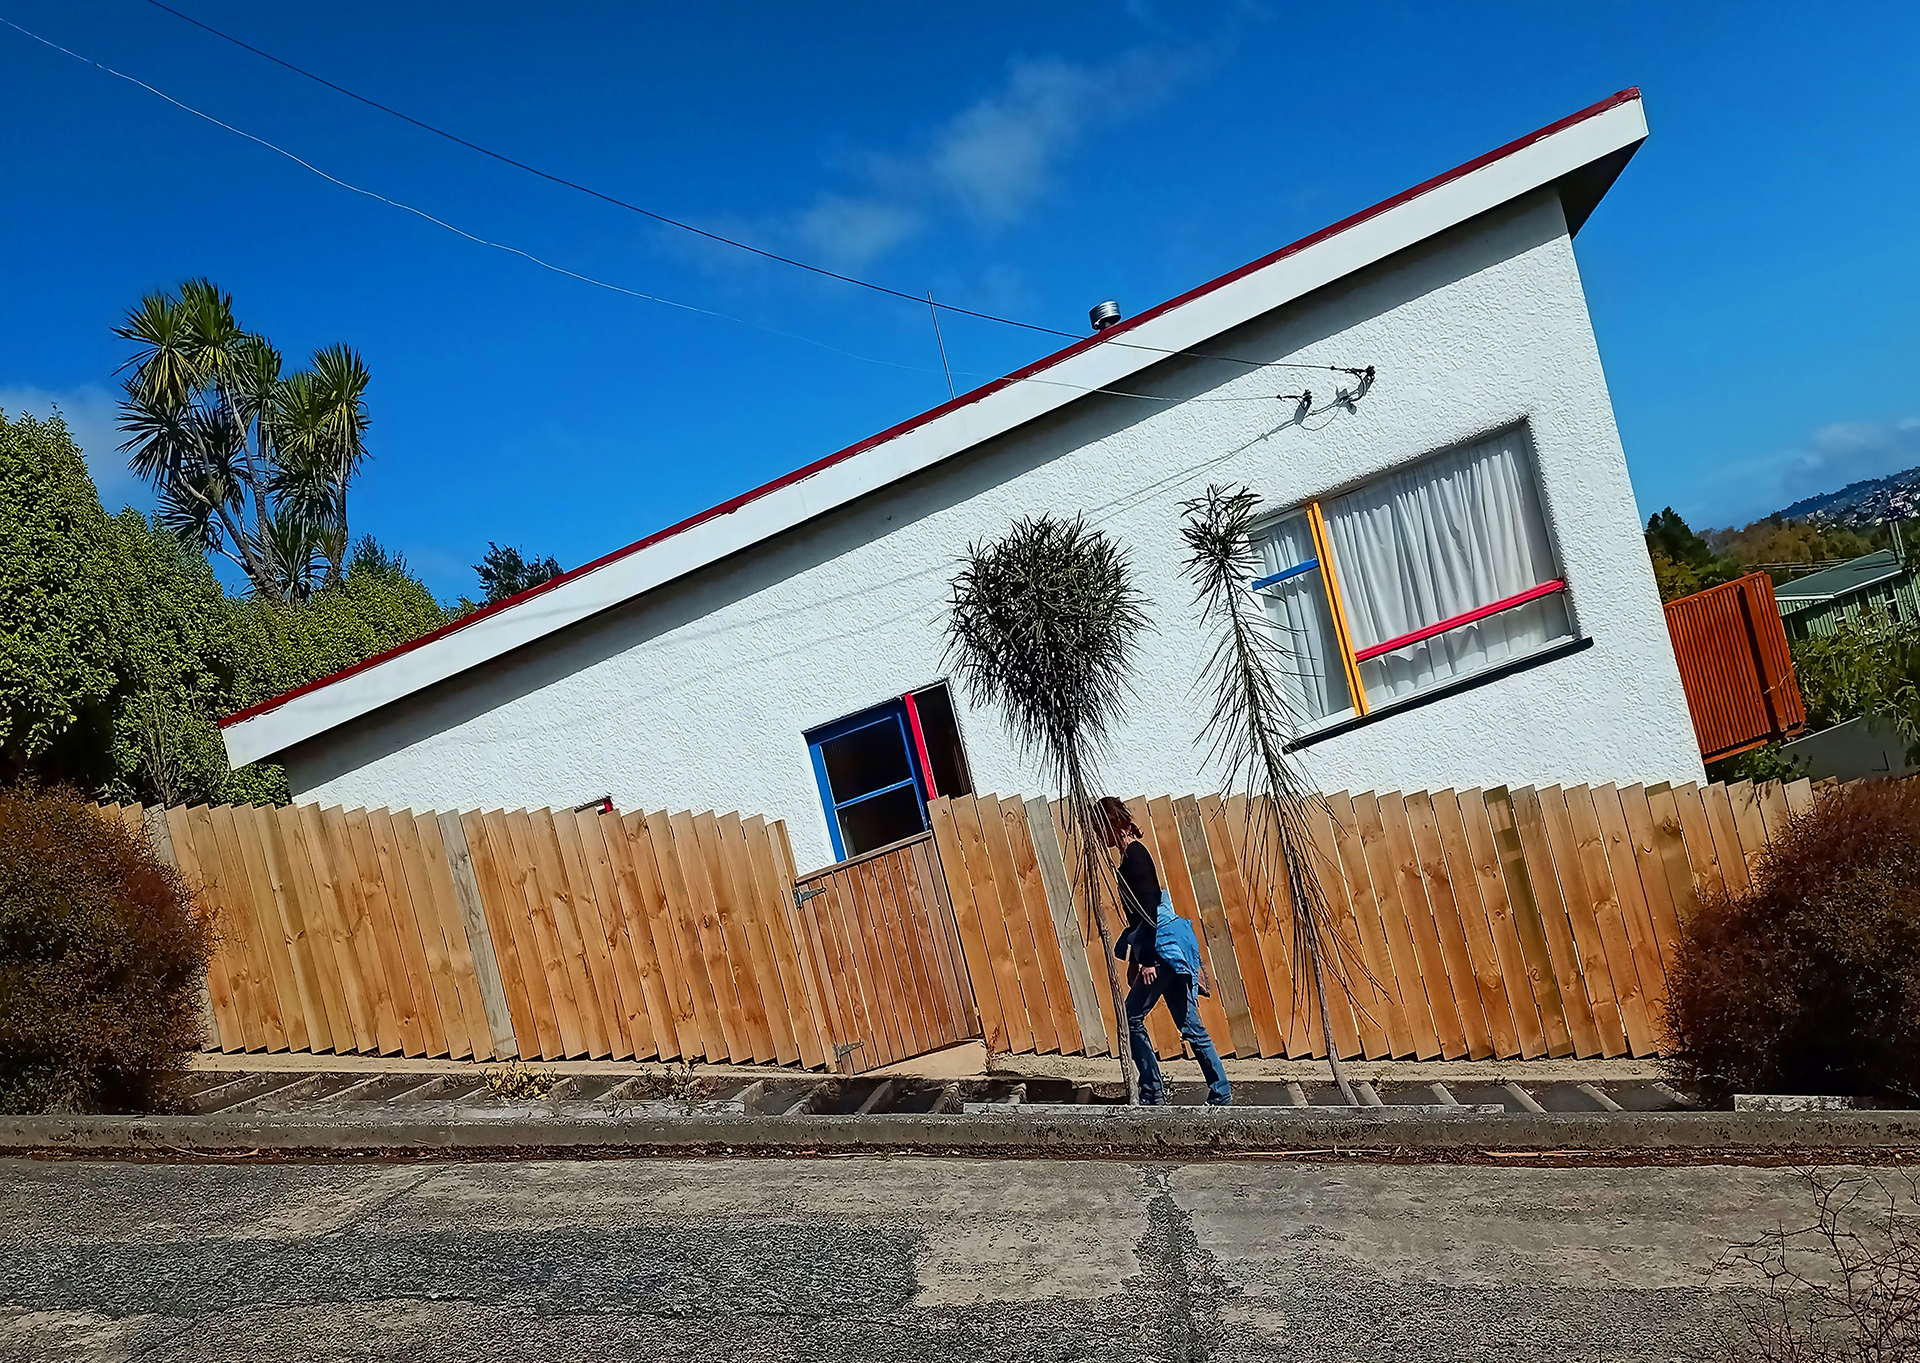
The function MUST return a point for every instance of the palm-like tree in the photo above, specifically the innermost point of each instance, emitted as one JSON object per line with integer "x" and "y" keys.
{"x": 1043, "y": 624}
{"x": 249, "y": 463}
{"x": 1247, "y": 734}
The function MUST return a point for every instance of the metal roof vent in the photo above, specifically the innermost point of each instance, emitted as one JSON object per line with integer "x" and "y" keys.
{"x": 1104, "y": 315}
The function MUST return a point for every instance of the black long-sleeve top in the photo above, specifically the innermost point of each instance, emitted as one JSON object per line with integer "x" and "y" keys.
{"x": 1140, "y": 895}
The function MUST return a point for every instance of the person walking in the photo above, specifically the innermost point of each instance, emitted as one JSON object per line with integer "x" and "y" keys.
{"x": 1163, "y": 962}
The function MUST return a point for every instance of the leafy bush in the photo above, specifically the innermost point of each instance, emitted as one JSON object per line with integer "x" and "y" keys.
{"x": 100, "y": 954}
{"x": 1810, "y": 982}
{"x": 1867, "y": 666}
{"x": 1768, "y": 762}
{"x": 122, "y": 650}
{"x": 56, "y": 668}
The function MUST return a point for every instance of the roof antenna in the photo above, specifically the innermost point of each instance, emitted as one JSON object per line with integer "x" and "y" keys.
{"x": 934, "y": 313}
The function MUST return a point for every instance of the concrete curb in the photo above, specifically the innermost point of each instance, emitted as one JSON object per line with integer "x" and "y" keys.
{"x": 1116, "y": 1133}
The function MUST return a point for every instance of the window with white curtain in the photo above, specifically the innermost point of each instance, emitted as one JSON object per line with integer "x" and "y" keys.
{"x": 1293, "y": 591}
{"x": 1438, "y": 570}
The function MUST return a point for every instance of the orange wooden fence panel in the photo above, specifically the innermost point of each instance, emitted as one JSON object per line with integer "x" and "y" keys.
{"x": 1504, "y": 923}
{"x": 1507, "y": 923}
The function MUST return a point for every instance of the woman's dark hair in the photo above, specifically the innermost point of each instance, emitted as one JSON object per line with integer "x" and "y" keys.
{"x": 1117, "y": 817}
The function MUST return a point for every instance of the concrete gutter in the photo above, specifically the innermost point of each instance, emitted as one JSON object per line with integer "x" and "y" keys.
{"x": 1182, "y": 1132}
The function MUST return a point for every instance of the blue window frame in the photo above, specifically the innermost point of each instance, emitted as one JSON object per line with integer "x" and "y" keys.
{"x": 871, "y": 780}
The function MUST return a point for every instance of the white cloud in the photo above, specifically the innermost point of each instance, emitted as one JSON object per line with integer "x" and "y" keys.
{"x": 989, "y": 164}
{"x": 1849, "y": 451}
{"x": 90, "y": 412}
{"x": 847, "y": 233}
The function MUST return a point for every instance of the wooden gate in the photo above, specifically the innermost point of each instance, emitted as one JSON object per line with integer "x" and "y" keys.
{"x": 894, "y": 982}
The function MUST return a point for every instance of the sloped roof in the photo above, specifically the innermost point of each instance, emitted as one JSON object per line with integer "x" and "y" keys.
{"x": 1581, "y": 154}
{"x": 1847, "y": 577}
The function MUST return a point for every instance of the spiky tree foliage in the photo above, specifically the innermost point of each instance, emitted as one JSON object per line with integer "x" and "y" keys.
{"x": 249, "y": 463}
{"x": 1044, "y": 624}
{"x": 1246, "y": 735}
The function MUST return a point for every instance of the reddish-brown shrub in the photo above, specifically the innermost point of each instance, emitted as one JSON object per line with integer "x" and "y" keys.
{"x": 1810, "y": 982}
{"x": 100, "y": 956}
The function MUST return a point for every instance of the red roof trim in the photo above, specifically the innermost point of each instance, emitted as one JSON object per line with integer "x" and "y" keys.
{"x": 965, "y": 399}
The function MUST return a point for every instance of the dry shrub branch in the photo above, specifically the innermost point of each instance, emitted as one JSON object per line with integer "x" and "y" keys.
{"x": 1843, "y": 1286}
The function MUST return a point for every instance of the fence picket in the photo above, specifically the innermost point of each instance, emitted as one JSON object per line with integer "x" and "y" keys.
{"x": 768, "y": 991}
{"x": 311, "y": 950}
{"x": 268, "y": 1029}
{"x": 1383, "y": 1027}
{"x": 737, "y": 1043}
{"x": 222, "y": 989}
{"x": 510, "y": 907}
{"x": 682, "y": 918}
{"x": 1630, "y": 893}
{"x": 429, "y": 924}
{"x": 1410, "y": 890}
{"x": 1490, "y": 879}
{"x": 630, "y": 901}
{"x": 489, "y": 970}
{"x": 597, "y": 939}
{"x": 1217, "y": 889}
{"x": 967, "y": 914}
{"x": 1588, "y": 966}
{"x": 1431, "y": 859}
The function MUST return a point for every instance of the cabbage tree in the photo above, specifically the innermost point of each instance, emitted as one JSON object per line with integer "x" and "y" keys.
{"x": 249, "y": 462}
{"x": 1247, "y": 735}
{"x": 1044, "y": 624}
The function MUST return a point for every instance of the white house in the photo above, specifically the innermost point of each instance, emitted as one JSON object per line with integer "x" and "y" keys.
{"x": 1456, "y": 558}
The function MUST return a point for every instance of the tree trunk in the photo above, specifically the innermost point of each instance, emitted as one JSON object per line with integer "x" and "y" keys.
{"x": 1083, "y": 822}
{"x": 1326, "y": 1030}
{"x": 1117, "y": 987}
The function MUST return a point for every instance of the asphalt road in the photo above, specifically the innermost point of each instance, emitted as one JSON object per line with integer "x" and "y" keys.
{"x": 867, "y": 1257}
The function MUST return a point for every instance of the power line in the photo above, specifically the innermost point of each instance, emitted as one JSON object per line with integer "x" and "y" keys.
{"x": 441, "y": 222}
{"x": 723, "y": 240}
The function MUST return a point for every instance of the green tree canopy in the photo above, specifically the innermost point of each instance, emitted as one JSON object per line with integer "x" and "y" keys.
{"x": 1669, "y": 534}
{"x": 119, "y": 651}
{"x": 56, "y": 662}
{"x": 279, "y": 647}
{"x": 506, "y": 572}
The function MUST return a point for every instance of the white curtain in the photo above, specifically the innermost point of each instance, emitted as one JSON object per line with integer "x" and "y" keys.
{"x": 1438, "y": 539}
{"x": 1311, "y": 673}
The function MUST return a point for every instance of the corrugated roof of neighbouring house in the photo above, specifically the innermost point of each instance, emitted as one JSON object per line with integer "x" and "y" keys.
{"x": 1580, "y": 155}
{"x": 1850, "y": 576}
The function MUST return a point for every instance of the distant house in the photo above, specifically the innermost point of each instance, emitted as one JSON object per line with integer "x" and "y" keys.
{"x": 1884, "y": 581}
{"x": 1455, "y": 562}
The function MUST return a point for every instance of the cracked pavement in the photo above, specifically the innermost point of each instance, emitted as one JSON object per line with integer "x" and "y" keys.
{"x": 854, "y": 1258}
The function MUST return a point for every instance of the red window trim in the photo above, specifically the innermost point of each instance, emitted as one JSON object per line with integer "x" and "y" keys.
{"x": 920, "y": 744}
{"x": 1459, "y": 621}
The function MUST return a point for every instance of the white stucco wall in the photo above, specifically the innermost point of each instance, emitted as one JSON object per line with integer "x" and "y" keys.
{"x": 697, "y": 694}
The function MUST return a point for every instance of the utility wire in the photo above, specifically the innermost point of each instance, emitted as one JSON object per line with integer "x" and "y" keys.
{"x": 621, "y": 288}
{"x": 441, "y": 222}
{"x": 662, "y": 218}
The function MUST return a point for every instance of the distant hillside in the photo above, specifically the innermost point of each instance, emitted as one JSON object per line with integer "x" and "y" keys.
{"x": 1861, "y": 504}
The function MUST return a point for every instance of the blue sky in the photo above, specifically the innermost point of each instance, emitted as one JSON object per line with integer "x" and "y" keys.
{"x": 1752, "y": 277}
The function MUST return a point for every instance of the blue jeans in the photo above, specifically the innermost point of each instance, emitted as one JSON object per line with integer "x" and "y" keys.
{"x": 1183, "y": 1002}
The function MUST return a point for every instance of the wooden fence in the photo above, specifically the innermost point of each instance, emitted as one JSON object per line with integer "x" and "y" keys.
{"x": 1483, "y": 924}
{"x": 486, "y": 936}
{"x": 1478, "y": 924}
